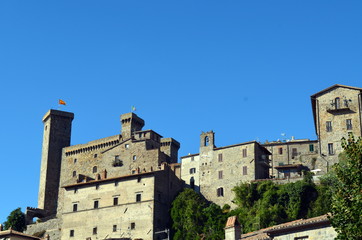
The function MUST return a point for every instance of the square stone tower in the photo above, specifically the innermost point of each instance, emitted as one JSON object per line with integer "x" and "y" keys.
{"x": 57, "y": 133}
{"x": 337, "y": 112}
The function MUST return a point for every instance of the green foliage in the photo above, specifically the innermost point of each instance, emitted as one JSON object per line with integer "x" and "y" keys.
{"x": 16, "y": 221}
{"x": 347, "y": 198}
{"x": 263, "y": 204}
{"x": 193, "y": 218}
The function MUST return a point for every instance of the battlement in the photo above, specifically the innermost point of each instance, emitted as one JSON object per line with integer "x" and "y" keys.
{"x": 59, "y": 114}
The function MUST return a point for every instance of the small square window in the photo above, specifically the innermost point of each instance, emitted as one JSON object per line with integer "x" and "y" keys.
{"x": 192, "y": 170}
{"x": 138, "y": 197}
{"x": 75, "y": 207}
{"x": 115, "y": 201}
{"x": 133, "y": 226}
{"x": 95, "y": 155}
{"x": 96, "y": 204}
{"x": 126, "y": 146}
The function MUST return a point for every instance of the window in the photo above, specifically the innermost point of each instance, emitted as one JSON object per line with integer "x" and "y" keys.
{"x": 71, "y": 233}
{"x": 349, "y": 124}
{"x": 280, "y": 150}
{"x": 114, "y": 228}
{"x": 220, "y": 157}
{"x": 75, "y": 160}
{"x": 74, "y": 173}
{"x": 116, "y": 158}
{"x": 245, "y": 152}
{"x": 126, "y": 146}
{"x": 337, "y": 103}
{"x": 206, "y": 143}
{"x": 94, "y": 169}
{"x": 97, "y": 186}
{"x": 294, "y": 152}
{"x": 220, "y": 174}
{"x": 116, "y": 183}
{"x": 139, "y": 179}
{"x": 220, "y": 192}
{"x": 245, "y": 170}
{"x": 94, "y": 230}
{"x": 95, "y": 155}
{"x": 75, "y": 207}
{"x": 134, "y": 157}
{"x": 192, "y": 158}
{"x": 133, "y": 226}
{"x": 96, "y": 204}
{"x": 329, "y": 126}
{"x": 330, "y": 149}
{"x": 192, "y": 170}
{"x": 138, "y": 197}
{"x": 311, "y": 148}
{"x": 115, "y": 201}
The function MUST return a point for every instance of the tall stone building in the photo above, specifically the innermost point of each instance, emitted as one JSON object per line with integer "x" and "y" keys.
{"x": 119, "y": 187}
{"x": 337, "y": 112}
{"x": 216, "y": 170}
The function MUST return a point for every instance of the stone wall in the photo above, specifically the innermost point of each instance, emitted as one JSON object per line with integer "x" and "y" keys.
{"x": 51, "y": 227}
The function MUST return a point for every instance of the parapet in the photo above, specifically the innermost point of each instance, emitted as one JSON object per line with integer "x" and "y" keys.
{"x": 58, "y": 113}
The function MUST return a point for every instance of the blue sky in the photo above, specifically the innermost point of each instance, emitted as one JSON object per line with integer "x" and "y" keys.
{"x": 245, "y": 69}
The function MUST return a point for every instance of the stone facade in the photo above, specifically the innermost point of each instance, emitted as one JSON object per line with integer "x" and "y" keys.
{"x": 141, "y": 163}
{"x": 132, "y": 207}
{"x": 215, "y": 171}
{"x": 293, "y": 152}
{"x": 337, "y": 112}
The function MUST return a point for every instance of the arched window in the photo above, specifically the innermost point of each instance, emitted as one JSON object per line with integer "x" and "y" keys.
{"x": 192, "y": 182}
{"x": 74, "y": 173}
{"x": 134, "y": 157}
{"x": 206, "y": 141}
{"x": 94, "y": 169}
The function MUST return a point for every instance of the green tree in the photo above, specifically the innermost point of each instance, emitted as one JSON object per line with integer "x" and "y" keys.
{"x": 347, "y": 199}
{"x": 214, "y": 224}
{"x": 187, "y": 215}
{"x": 16, "y": 221}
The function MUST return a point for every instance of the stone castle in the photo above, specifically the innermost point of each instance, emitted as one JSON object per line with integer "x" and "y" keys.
{"x": 122, "y": 187}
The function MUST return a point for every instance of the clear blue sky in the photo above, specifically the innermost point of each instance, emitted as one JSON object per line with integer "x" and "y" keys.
{"x": 245, "y": 69}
